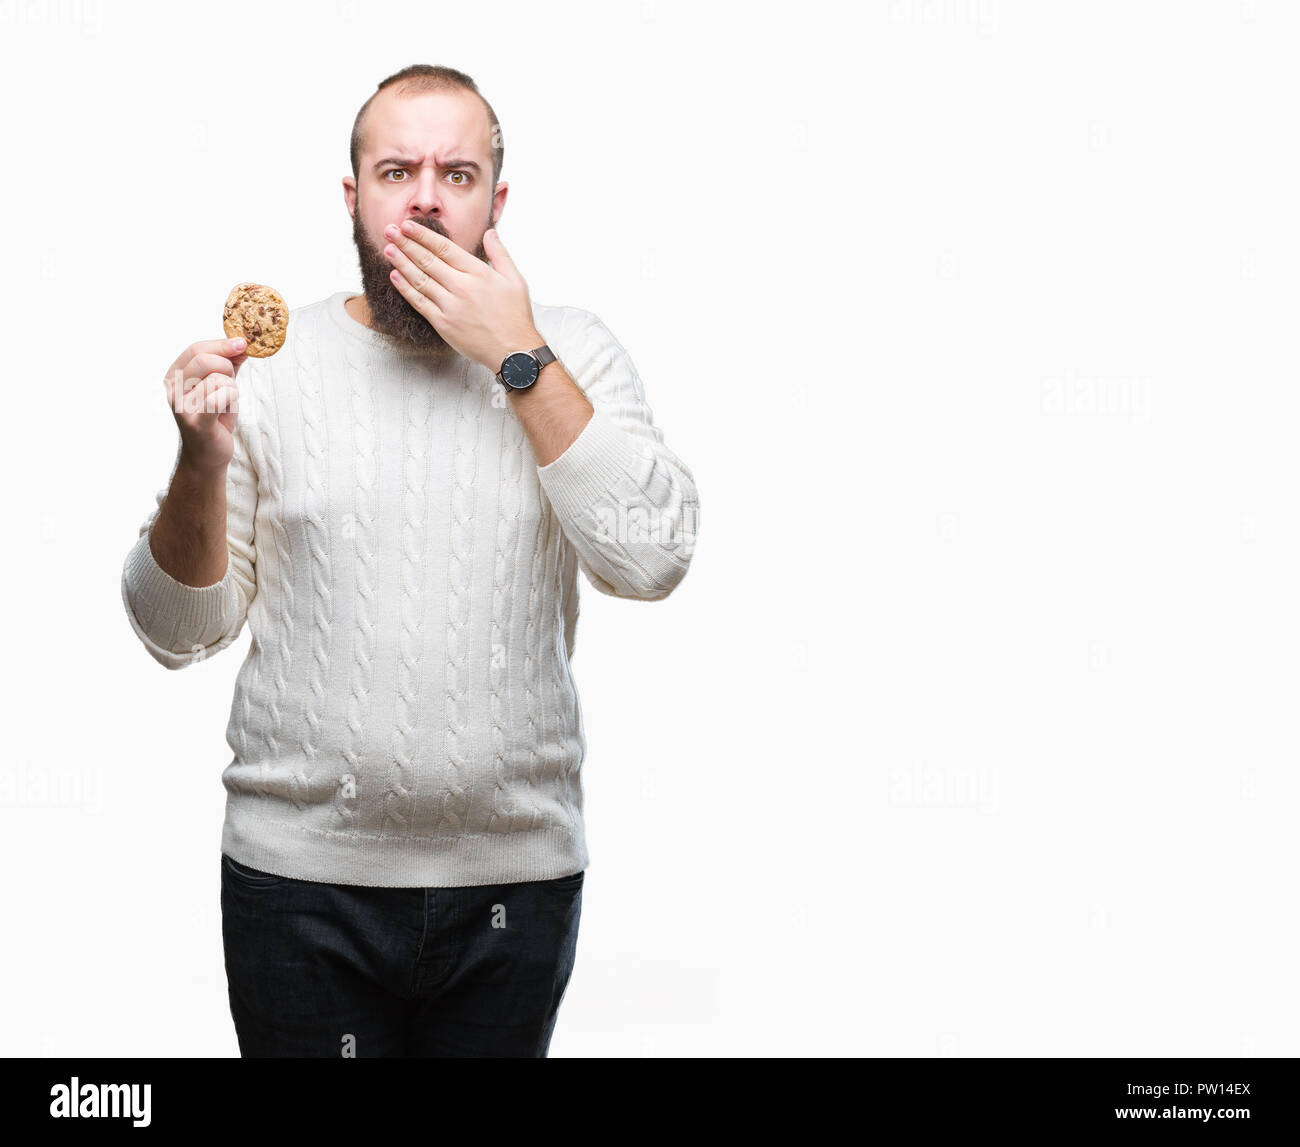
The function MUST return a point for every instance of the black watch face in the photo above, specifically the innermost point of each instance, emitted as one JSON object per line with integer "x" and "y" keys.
{"x": 519, "y": 370}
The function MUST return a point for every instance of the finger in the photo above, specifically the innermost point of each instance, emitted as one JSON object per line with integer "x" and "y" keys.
{"x": 180, "y": 380}
{"x": 214, "y": 399}
{"x": 228, "y": 347}
{"x": 415, "y": 274}
{"x": 224, "y": 400}
{"x": 178, "y": 386}
{"x": 421, "y": 302}
{"x": 422, "y": 238}
{"x": 193, "y": 398}
{"x": 202, "y": 365}
{"x": 497, "y": 254}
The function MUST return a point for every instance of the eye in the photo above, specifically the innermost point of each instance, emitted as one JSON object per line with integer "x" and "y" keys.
{"x": 393, "y": 170}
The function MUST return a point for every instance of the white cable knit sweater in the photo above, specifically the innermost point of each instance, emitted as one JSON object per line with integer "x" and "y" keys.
{"x": 406, "y": 715}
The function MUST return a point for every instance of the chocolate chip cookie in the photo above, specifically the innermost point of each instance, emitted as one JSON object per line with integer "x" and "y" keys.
{"x": 258, "y": 314}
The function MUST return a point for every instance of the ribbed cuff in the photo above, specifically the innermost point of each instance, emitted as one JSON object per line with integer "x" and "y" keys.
{"x": 593, "y": 466}
{"x": 198, "y": 613}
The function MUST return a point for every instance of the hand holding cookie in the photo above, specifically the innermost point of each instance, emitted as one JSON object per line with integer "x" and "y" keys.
{"x": 201, "y": 387}
{"x": 204, "y": 397}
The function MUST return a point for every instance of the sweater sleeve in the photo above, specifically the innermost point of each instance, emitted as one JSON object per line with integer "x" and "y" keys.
{"x": 180, "y": 624}
{"x": 624, "y": 500}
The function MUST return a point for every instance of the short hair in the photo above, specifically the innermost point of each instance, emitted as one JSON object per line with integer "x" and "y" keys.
{"x": 420, "y": 78}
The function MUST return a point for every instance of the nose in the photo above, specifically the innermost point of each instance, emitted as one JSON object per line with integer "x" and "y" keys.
{"x": 425, "y": 199}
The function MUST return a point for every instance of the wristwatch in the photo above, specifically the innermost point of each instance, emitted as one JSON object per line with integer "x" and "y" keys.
{"x": 519, "y": 370}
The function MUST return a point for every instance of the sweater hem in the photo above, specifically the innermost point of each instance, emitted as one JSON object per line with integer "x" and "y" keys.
{"x": 341, "y": 857}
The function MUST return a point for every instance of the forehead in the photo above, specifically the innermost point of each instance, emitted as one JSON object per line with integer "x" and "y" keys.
{"x": 437, "y": 123}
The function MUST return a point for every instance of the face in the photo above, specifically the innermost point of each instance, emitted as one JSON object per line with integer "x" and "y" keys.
{"x": 431, "y": 132}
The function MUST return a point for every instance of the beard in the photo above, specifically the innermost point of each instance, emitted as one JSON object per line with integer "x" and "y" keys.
{"x": 391, "y": 316}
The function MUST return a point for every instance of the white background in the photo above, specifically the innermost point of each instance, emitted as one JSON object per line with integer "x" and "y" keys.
{"x": 971, "y": 731}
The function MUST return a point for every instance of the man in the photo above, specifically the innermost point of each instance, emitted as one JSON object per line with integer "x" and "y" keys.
{"x": 399, "y": 511}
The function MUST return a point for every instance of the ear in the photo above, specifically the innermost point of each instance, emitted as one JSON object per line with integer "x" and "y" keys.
{"x": 350, "y": 194}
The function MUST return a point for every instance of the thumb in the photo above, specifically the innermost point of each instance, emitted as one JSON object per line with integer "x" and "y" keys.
{"x": 496, "y": 251}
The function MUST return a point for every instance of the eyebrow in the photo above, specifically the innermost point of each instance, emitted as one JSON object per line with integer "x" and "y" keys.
{"x": 401, "y": 161}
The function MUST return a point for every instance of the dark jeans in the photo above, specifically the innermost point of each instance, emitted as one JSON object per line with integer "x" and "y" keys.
{"x": 340, "y": 970}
